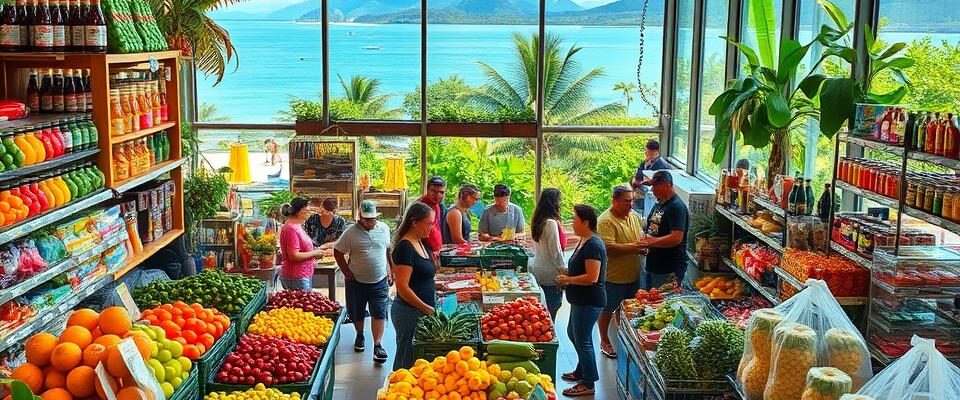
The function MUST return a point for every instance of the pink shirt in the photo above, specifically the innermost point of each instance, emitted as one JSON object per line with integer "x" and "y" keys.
{"x": 292, "y": 236}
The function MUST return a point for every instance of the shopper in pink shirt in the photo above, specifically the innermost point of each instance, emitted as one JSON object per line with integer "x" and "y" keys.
{"x": 296, "y": 248}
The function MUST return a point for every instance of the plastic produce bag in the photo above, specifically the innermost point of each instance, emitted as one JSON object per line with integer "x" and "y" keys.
{"x": 30, "y": 260}
{"x": 755, "y": 364}
{"x": 10, "y": 259}
{"x": 815, "y": 332}
{"x": 923, "y": 373}
{"x": 826, "y": 383}
{"x": 50, "y": 248}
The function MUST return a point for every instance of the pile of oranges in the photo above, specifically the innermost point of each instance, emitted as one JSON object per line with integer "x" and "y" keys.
{"x": 62, "y": 368}
{"x": 195, "y": 327}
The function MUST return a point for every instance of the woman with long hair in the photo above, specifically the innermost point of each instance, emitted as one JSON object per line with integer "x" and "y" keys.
{"x": 456, "y": 229}
{"x": 548, "y": 242}
{"x": 296, "y": 247}
{"x": 585, "y": 292}
{"x": 325, "y": 227}
{"x": 413, "y": 271}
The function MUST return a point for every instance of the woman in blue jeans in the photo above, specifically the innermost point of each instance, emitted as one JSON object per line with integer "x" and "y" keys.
{"x": 587, "y": 297}
{"x": 548, "y": 242}
{"x": 413, "y": 271}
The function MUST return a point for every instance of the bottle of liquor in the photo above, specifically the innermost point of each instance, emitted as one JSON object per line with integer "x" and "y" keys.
{"x": 69, "y": 93}
{"x": 65, "y": 17}
{"x": 23, "y": 21}
{"x": 77, "y": 41}
{"x": 920, "y": 131}
{"x": 79, "y": 90}
{"x": 46, "y": 92}
{"x": 57, "y": 21}
{"x": 952, "y": 135}
{"x": 929, "y": 141}
{"x": 809, "y": 196}
{"x": 825, "y": 204}
{"x": 42, "y": 28}
{"x": 58, "y": 105}
{"x": 95, "y": 29}
{"x": 87, "y": 90}
{"x": 794, "y": 195}
{"x": 9, "y": 29}
{"x": 33, "y": 92}
{"x": 801, "y": 198}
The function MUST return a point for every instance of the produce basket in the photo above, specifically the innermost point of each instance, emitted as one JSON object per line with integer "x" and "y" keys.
{"x": 450, "y": 259}
{"x": 215, "y": 355}
{"x": 428, "y": 350}
{"x": 509, "y": 256}
{"x": 547, "y": 359}
{"x": 189, "y": 390}
{"x": 469, "y": 307}
{"x": 680, "y": 389}
{"x": 304, "y": 388}
{"x": 256, "y": 304}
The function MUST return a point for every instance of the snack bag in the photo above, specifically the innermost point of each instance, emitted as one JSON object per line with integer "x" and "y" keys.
{"x": 9, "y": 259}
{"x": 923, "y": 373}
{"x": 50, "y": 248}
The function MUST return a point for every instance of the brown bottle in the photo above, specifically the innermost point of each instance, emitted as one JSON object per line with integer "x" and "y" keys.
{"x": 950, "y": 147}
{"x": 938, "y": 139}
{"x": 57, "y": 22}
{"x": 930, "y": 140}
{"x": 95, "y": 29}
{"x": 77, "y": 41}
{"x": 42, "y": 28}
{"x": 9, "y": 29}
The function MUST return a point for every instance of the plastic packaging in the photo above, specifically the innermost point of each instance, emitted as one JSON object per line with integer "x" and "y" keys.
{"x": 51, "y": 248}
{"x": 30, "y": 260}
{"x": 826, "y": 383}
{"x": 755, "y": 363}
{"x": 923, "y": 373}
{"x": 793, "y": 353}
{"x": 10, "y": 259}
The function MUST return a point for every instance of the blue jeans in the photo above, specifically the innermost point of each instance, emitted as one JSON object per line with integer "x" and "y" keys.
{"x": 580, "y": 331}
{"x": 297, "y": 283}
{"x": 405, "y": 319}
{"x": 554, "y": 298}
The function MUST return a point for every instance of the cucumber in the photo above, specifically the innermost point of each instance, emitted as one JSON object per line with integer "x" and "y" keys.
{"x": 517, "y": 349}
{"x": 527, "y": 365}
{"x": 502, "y": 359}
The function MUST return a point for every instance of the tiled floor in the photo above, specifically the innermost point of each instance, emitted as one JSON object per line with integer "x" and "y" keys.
{"x": 359, "y": 378}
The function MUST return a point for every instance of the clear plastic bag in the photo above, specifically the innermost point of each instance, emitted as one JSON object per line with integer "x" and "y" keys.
{"x": 30, "y": 260}
{"x": 754, "y": 366}
{"x": 923, "y": 373}
{"x": 826, "y": 383}
{"x": 814, "y": 332}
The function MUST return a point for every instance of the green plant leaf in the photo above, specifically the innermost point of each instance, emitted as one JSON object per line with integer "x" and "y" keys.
{"x": 901, "y": 63}
{"x": 810, "y": 85}
{"x": 763, "y": 19}
{"x": 791, "y": 53}
{"x": 778, "y": 111}
{"x": 759, "y": 131}
{"x": 870, "y": 40}
{"x": 892, "y": 97}
{"x": 835, "y": 14}
{"x": 752, "y": 60}
{"x": 892, "y": 50}
{"x": 837, "y": 104}
{"x": 845, "y": 53}
{"x": 18, "y": 389}
{"x": 828, "y": 35}
{"x": 720, "y": 142}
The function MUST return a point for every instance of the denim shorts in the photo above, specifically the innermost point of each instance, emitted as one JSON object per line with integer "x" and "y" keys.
{"x": 359, "y": 295}
{"x": 297, "y": 283}
{"x": 618, "y": 292}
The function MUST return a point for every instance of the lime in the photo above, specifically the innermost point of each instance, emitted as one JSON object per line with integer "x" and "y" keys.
{"x": 185, "y": 364}
{"x": 167, "y": 389}
{"x": 163, "y": 356}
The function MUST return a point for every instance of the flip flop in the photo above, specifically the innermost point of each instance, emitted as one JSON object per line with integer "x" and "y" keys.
{"x": 570, "y": 377}
{"x": 608, "y": 351}
{"x": 579, "y": 390}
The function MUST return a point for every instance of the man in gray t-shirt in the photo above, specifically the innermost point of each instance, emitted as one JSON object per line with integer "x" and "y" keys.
{"x": 367, "y": 274}
{"x": 501, "y": 215}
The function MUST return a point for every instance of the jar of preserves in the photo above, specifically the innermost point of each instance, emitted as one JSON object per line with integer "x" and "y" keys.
{"x": 911, "y": 198}
{"x": 938, "y": 201}
{"x": 928, "y": 196}
{"x": 921, "y": 192}
{"x": 842, "y": 169}
{"x": 956, "y": 207}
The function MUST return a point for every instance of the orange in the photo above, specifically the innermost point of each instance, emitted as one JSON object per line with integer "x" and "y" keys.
{"x": 107, "y": 340}
{"x": 115, "y": 321}
{"x": 56, "y": 394}
{"x": 131, "y": 393}
{"x": 115, "y": 364}
{"x": 84, "y": 317}
{"x": 93, "y": 354}
{"x": 55, "y": 379}
{"x": 29, "y": 374}
{"x": 80, "y": 381}
{"x": 66, "y": 356}
{"x": 143, "y": 343}
{"x": 113, "y": 387}
{"x": 39, "y": 347}
{"x": 78, "y": 335}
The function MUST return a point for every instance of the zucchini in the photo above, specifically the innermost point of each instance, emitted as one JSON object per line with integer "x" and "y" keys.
{"x": 517, "y": 349}
{"x": 502, "y": 359}
{"x": 527, "y": 365}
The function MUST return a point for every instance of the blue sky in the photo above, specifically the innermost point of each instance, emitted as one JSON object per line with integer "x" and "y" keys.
{"x": 258, "y": 6}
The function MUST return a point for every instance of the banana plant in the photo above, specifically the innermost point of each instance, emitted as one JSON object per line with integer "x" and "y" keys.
{"x": 837, "y": 97}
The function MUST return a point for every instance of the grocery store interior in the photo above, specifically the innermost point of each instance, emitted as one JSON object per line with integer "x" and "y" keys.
{"x": 527, "y": 199}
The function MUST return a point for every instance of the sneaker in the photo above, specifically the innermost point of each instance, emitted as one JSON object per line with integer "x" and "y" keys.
{"x": 358, "y": 343}
{"x": 379, "y": 354}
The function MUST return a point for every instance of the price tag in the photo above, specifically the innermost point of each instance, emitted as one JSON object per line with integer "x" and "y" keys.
{"x": 128, "y": 302}
{"x": 448, "y": 305}
{"x": 487, "y": 299}
{"x": 538, "y": 393}
{"x": 104, "y": 379}
{"x": 154, "y": 64}
{"x": 166, "y": 74}
{"x": 142, "y": 375}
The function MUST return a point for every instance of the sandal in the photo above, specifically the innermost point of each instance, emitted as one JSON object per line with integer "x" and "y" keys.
{"x": 608, "y": 351}
{"x": 570, "y": 377}
{"x": 579, "y": 390}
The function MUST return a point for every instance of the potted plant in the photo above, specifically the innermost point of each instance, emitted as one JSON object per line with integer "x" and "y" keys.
{"x": 271, "y": 205}
{"x": 188, "y": 28}
{"x": 770, "y": 100}
{"x": 263, "y": 248}
{"x": 204, "y": 193}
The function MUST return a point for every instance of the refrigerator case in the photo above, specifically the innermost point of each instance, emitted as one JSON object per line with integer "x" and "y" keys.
{"x": 695, "y": 193}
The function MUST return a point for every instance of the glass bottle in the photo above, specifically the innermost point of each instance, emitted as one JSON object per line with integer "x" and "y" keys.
{"x": 155, "y": 103}
{"x": 77, "y": 41}
{"x": 9, "y": 29}
{"x": 87, "y": 91}
{"x": 164, "y": 109}
{"x": 121, "y": 165}
{"x": 129, "y": 116}
{"x": 929, "y": 141}
{"x": 95, "y": 29}
{"x": 117, "y": 126}
{"x": 918, "y": 136}
{"x": 57, "y": 89}
{"x": 33, "y": 92}
{"x": 809, "y": 197}
{"x": 42, "y": 27}
{"x": 24, "y": 17}
{"x": 70, "y": 103}
{"x": 952, "y": 134}
{"x": 57, "y": 24}
{"x": 145, "y": 106}
{"x": 46, "y": 92}
{"x": 66, "y": 128}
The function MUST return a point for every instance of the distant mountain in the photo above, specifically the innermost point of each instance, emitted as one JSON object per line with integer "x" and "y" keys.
{"x": 622, "y": 12}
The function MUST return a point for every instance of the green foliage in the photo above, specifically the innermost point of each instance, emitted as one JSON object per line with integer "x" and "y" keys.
{"x": 931, "y": 87}
{"x": 18, "y": 389}
{"x": 204, "y": 191}
{"x": 271, "y": 205}
{"x": 185, "y": 23}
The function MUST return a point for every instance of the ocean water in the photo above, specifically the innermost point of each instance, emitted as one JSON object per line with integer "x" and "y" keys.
{"x": 280, "y": 59}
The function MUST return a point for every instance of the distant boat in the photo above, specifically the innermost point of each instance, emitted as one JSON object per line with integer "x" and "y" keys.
{"x": 371, "y": 47}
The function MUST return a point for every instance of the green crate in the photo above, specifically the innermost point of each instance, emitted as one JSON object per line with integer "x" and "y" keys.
{"x": 430, "y": 350}
{"x": 450, "y": 259}
{"x": 303, "y": 388}
{"x": 547, "y": 361}
{"x": 242, "y": 320}
{"x": 190, "y": 389}
{"x": 215, "y": 355}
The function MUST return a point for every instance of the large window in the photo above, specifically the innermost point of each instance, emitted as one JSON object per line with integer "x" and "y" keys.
{"x": 680, "y": 131}
{"x": 712, "y": 83}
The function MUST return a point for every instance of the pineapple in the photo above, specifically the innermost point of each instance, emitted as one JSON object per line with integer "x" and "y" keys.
{"x": 755, "y": 363}
{"x": 846, "y": 352}
{"x": 794, "y": 353}
{"x": 826, "y": 383}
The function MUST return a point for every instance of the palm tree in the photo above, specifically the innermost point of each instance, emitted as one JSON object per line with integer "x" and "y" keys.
{"x": 209, "y": 113}
{"x": 567, "y": 98}
{"x": 627, "y": 88}
{"x": 363, "y": 91}
{"x": 188, "y": 28}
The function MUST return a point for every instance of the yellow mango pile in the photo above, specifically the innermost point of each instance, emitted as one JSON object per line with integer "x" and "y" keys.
{"x": 458, "y": 376}
{"x": 292, "y": 324}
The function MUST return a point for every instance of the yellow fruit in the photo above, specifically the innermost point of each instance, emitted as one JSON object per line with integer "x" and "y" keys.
{"x": 292, "y": 324}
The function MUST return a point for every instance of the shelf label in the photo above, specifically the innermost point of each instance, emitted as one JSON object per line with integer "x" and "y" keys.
{"x": 154, "y": 64}
{"x": 104, "y": 379}
{"x": 487, "y": 299}
{"x": 128, "y": 302}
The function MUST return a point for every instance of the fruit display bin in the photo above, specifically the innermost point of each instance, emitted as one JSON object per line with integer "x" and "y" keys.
{"x": 215, "y": 355}
{"x": 450, "y": 259}
{"x": 190, "y": 389}
{"x": 304, "y": 388}
{"x": 242, "y": 320}
{"x": 430, "y": 350}
{"x": 547, "y": 360}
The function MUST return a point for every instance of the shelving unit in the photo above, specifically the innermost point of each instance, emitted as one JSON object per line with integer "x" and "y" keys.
{"x": 333, "y": 164}
{"x": 767, "y": 293}
{"x": 774, "y": 243}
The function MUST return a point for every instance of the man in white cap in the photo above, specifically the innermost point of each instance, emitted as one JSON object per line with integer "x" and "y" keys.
{"x": 363, "y": 254}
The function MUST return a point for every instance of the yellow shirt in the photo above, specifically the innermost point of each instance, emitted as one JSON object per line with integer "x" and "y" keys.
{"x": 626, "y": 268}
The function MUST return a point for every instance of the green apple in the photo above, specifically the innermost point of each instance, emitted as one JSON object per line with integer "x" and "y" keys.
{"x": 520, "y": 373}
{"x": 176, "y": 382}
{"x": 175, "y": 364}
{"x": 164, "y": 355}
{"x": 176, "y": 349}
{"x": 185, "y": 364}
{"x": 167, "y": 389}
{"x": 158, "y": 369}
{"x": 171, "y": 372}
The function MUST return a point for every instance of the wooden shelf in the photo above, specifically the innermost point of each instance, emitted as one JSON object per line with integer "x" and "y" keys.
{"x": 110, "y": 58}
{"x": 142, "y": 57}
{"x": 141, "y": 133}
{"x": 154, "y": 173}
{"x": 149, "y": 249}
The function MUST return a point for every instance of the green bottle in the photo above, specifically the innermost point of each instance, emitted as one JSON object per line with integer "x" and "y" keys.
{"x": 71, "y": 185}
{"x": 92, "y": 176}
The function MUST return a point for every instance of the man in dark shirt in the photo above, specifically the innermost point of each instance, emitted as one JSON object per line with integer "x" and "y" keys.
{"x": 651, "y": 162}
{"x": 666, "y": 239}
